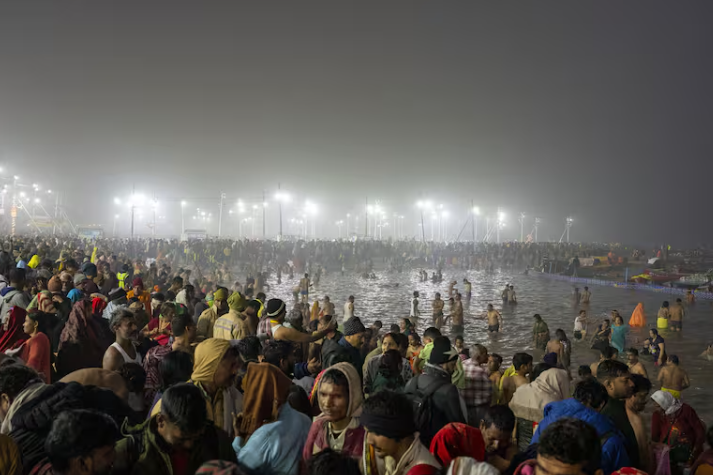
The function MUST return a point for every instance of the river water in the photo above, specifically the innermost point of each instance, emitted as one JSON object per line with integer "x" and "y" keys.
{"x": 379, "y": 299}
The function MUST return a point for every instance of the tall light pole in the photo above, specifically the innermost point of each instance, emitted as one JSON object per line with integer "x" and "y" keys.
{"x": 339, "y": 226}
{"x": 220, "y": 213}
{"x": 522, "y": 226}
{"x": 348, "y": 218}
{"x": 424, "y": 205}
{"x": 113, "y": 231}
{"x": 537, "y": 225}
{"x": 474, "y": 223}
{"x": 183, "y": 218}
{"x": 281, "y": 197}
{"x": 500, "y": 223}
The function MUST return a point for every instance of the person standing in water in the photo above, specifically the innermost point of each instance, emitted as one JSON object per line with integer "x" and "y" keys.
{"x": 437, "y": 309}
{"x": 468, "y": 288}
{"x": 305, "y": 285}
{"x": 504, "y": 294}
{"x": 677, "y": 314}
{"x": 635, "y": 366}
{"x": 512, "y": 298}
{"x": 457, "y": 324}
{"x": 586, "y": 296}
{"x": 494, "y": 319}
{"x": 540, "y": 333}
{"x": 415, "y": 312}
{"x": 663, "y": 316}
{"x": 580, "y": 326}
{"x": 349, "y": 308}
{"x": 673, "y": 378}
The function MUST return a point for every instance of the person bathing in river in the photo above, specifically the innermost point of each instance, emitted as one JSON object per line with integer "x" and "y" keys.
{"x": 457, "y": 323}
{"x": 540, "y": 333}
{"x": 673, "y": 378}
{"x": 603, "y": 335}
{"x": 580, "y": 326}
{"x": 512, "y": 297}
{"x": 656, "y": 347}
{"x": 494, "y": 319}
{"x": 663, "y": 316}
{"x": 635, "y": 366}
{"x": 437, "y": 309}
{"x": 586, "y": 296}
{"x": 618, "y": 333}
{"x": 677, "y": 314}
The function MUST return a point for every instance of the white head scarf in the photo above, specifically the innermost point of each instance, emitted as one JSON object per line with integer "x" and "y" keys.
{"x": 470, "y": 466}
{"x": 668, "y": 403}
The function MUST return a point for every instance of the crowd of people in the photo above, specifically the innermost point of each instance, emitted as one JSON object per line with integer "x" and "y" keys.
{"x": 115, "y": 360}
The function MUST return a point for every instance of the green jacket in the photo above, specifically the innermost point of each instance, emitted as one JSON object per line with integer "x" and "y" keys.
{"x": 142, "y": 450}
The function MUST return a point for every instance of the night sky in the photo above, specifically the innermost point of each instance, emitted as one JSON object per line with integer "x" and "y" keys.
{"x": 599, "y": 110}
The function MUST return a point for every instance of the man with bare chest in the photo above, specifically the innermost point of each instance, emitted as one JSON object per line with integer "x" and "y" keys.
{"x": 673, "y": 378}
{"x": 676, "y": 318}
{"x": 437, "y": 309}
{"x": 522, "y": 363}
{"x": 494, "y": 319}
{"x": 457, "y": 324}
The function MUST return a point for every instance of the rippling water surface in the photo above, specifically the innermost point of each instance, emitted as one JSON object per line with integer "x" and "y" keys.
{"x": 377, "y": 300}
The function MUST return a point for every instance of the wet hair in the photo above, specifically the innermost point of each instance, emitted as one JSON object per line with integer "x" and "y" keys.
{"x": 118, "y": 315}
{"x": 538, "y": 369}
{"x": 537, "y": 316}
{"x": 77, "y": 433}
{"x": 459, "y": 337}
{"x": 591, "y": 392}
{"x": 633, "y": 351}
{"x": 134, "y": 377}
{"x": 673, "y": 359}
{"x": 609, "y": 369}
{"x": 337, "y": 378}
{"x": 299, "y": 401}
{"x": 500, "y": 417}
{"x": 180, "y": 323}
{"x": 394, "y": 328}
{"x": 654, "y": 331}
{"x": 607, "y": 352}
{"x": 584, "y": 371}
{"x": 184, "y": 405}
{"x": 665, "y": 304}
{"x": 15, "y": 378}
{"x": 641, "y": 383}
{"x": 314, "y": 325}
{"x": 521, "y": 359}
{"x": 432, "y": 333}
{"x": 573, "y": 442}
{"x": 378, "y": 324}
{"x": 328, "y": 462}
{"x": 560, "y": 334}
{"x": 497, "y": 358}
{"x": 276, "y": 351}
{"x": 176, "y": 367}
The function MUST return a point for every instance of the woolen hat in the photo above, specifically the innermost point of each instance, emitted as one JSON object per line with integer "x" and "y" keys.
{"x": 275, "y": 307}
{"x": 353, "y": 326}
{"x": 442, "y": 351}
{"x": 54, "y": 284}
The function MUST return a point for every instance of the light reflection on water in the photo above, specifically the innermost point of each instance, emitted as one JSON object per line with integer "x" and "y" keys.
{"x": 376, "y": 300}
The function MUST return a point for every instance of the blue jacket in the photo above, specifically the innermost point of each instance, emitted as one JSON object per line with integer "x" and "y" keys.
{"x": 614, "y": 454}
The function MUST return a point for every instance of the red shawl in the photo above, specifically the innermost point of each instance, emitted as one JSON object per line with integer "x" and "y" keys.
{"x": 14, "y": 336}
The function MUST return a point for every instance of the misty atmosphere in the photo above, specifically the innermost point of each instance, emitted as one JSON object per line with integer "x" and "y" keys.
{"x": 375, "y": 238}
{"x": 551, "y": 110}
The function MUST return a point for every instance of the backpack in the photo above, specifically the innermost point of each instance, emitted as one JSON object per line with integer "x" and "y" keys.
{"x": 427, "y": 417}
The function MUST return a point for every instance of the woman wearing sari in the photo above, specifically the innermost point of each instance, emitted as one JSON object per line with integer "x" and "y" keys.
{"x": 36, "y": 352}
{"x": 618, "y": 333}
{"x": 540, "y": 333}
{"x": 13, "y": 336}
{"x": 676, "y": 424}
{"x": 81, "y": 344}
